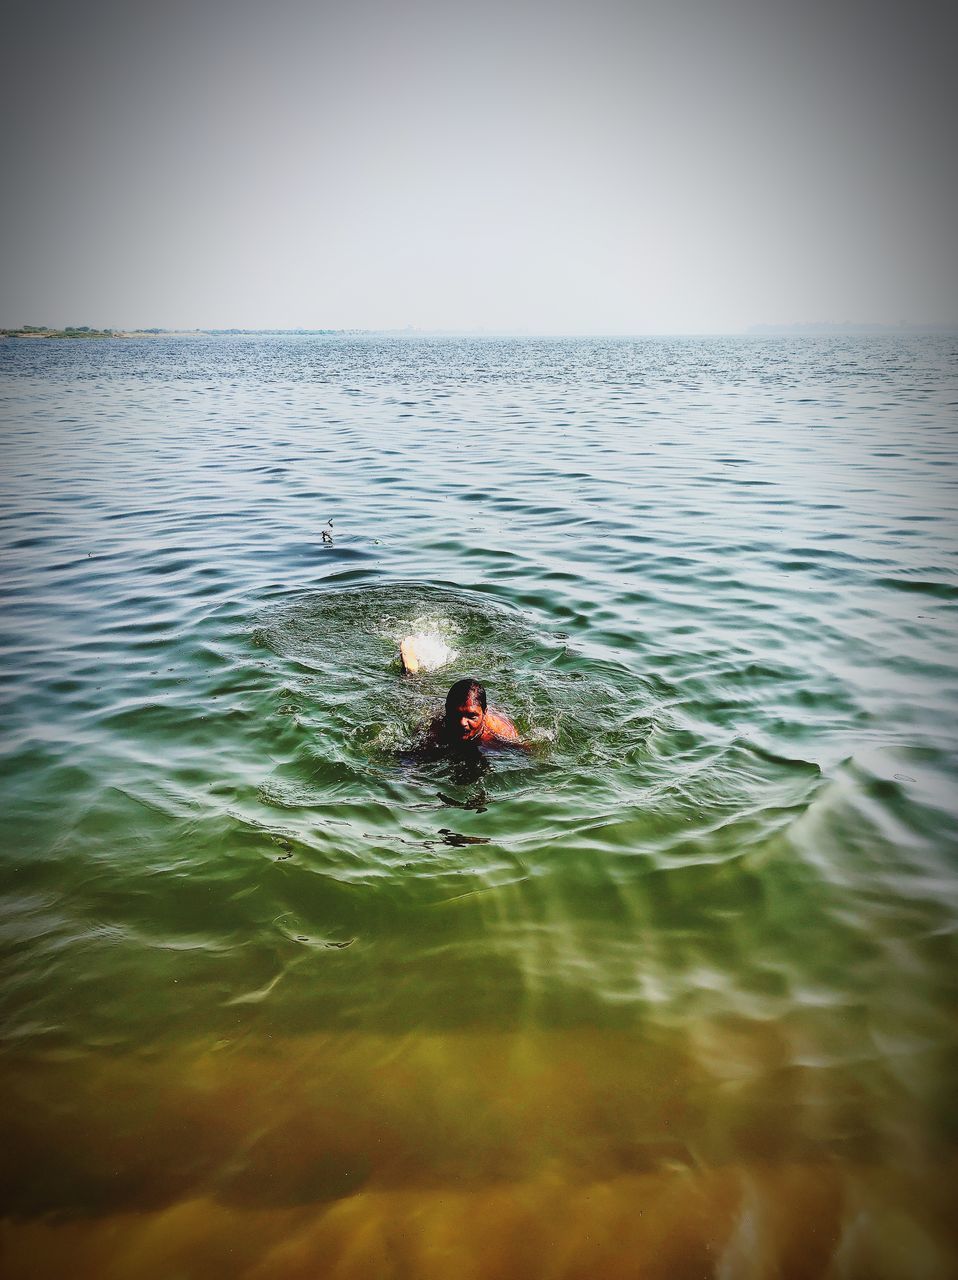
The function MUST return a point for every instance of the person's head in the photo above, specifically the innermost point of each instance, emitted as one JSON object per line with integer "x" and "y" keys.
{"x": 465, "y": 710}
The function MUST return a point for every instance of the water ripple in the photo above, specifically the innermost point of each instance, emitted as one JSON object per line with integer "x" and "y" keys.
{"x": 714, "y": 583}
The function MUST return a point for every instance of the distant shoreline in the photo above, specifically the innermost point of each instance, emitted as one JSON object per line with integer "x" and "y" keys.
{"x": 87, "y": 333}
{"x": 37, "y": 331}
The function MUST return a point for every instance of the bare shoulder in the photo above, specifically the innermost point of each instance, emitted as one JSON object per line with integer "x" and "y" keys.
{"x": 502, "y": 729}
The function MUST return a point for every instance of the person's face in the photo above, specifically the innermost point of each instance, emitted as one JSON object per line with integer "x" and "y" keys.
{"x": 465, "y": 723}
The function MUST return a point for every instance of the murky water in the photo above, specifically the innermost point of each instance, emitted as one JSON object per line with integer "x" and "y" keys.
{"x": 672, "y": 994}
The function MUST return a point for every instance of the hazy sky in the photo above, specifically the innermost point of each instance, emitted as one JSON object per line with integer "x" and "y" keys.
{"x": 608, "y": 167}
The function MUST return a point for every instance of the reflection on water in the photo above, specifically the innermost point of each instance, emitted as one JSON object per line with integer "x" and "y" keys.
{"x": 670, "y": 995}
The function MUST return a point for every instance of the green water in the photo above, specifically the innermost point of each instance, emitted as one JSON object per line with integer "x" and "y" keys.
{"x": 672, "y": 994}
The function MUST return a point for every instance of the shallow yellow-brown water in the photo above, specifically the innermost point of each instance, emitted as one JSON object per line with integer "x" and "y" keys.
{"x": 475, "y": 1154}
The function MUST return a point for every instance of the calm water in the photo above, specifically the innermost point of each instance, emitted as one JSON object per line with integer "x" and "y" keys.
{"x": 672, "y": 996}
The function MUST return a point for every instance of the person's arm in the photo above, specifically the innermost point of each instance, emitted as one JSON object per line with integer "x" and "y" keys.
{"x": 407, "y": 654}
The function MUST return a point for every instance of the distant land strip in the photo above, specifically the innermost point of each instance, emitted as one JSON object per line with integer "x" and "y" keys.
{"x": 85, "y": 331}
{"x": 814, "y": 329}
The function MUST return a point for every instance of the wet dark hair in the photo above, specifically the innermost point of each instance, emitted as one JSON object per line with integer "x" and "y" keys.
{"x": 462, "y": 690}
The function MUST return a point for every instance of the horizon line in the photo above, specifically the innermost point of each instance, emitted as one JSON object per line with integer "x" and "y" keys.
{"x": 768, "y": 328}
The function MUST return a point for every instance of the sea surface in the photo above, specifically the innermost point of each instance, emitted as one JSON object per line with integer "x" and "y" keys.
{"x": 672, "y": 994}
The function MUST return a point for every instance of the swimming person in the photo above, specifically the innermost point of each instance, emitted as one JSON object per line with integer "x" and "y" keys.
{"x": 468, "y": 721}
